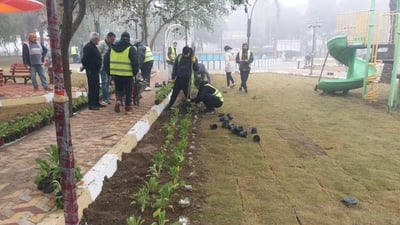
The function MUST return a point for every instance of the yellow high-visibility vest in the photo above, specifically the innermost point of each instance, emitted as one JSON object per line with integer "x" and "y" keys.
{"x": 148, "y": 55}
{"x": 217, "y": 93}
{"x": 173, "y": 54}
{"x": 120, "y": 64}
{"x": 74, "y": 50}
{"x": 241, "y": 54}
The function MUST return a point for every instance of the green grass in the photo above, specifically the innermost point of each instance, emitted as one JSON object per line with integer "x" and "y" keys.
{"x": 314, "y": 150}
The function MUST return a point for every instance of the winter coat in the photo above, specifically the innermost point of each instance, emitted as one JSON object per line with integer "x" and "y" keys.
{"x": 91, "y": 58}
{"x": 230, "y": 63}
{"x": 120, "y": 46}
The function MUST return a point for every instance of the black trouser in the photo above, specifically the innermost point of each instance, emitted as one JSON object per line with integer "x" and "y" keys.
{"x": 179, "y": 85}
{"x": 123, "y": 87}
{"x": 211, "y": 102}
{"x": 93, "y": 80}
{"x": 244, "y": 75}
{"x": 229, "y": 78}
{"x": 146, "y": 71}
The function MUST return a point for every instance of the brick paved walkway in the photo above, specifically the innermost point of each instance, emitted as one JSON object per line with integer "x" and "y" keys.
{"x": 93, "y": 134}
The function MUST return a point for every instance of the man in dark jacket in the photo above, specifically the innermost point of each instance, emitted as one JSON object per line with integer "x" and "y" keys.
{"x": 33, "y": 54}
{"x": 244, "y": 58}
{"x": 184, "y": 67}
{"x": 91, "y": 62}
{"x": 121, "y": 61}
{"x": 209, "y": 95}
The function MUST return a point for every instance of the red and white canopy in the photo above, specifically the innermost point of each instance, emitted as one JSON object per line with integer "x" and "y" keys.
{"x": 18, "y": 6}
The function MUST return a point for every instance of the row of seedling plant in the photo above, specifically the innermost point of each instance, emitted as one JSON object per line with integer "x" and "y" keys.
{"x": 18, "y": 128}
{"x": 163, "y": 92}
{"x": 15, "y": 129}
{"x": 48, "y": 175}
{"x": 153, "y": 194}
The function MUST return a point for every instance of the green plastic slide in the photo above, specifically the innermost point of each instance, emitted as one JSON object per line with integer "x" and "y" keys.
{"x": 341, "y": 51}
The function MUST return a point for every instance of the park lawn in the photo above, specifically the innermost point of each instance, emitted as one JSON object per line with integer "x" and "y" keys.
{"x": 314, "y": 151}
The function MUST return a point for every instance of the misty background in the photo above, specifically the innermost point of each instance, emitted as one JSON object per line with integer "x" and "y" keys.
{"x": 276, "y": 31}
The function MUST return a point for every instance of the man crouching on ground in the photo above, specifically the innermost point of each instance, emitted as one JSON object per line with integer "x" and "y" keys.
{"x": 209, "y": 95}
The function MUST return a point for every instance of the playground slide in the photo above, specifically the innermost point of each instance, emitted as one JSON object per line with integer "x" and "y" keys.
{"x": 341, "y": 51}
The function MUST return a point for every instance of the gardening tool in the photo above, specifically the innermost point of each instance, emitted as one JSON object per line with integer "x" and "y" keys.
{"x": 322, "y": 70}
{"x": 213, "y": 126}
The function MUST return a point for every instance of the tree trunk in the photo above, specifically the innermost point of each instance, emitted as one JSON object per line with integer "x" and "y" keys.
{"x": 62, "y": 122}
{"x": 388, "y": 66}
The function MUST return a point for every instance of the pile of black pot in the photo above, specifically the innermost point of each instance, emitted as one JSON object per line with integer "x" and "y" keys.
{"x": 235, "y": 129}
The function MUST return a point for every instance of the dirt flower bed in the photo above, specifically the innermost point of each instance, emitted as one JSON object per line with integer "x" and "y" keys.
{"x": 114, "y": 204}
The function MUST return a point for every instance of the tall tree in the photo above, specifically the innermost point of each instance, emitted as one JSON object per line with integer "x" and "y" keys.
{"x": 61, "y": 104}
{"x": 73, "y": 12}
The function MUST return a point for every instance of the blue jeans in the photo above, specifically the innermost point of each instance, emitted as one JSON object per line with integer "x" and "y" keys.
{"x": 38, "y": 69}
{"x": 105, "y": 84}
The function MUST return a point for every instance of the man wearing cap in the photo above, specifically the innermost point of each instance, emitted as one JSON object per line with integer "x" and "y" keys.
{"x": 91, "y": 62}
{"x": 33, "y": 54}
{"x": 121, "y": 61}
{"x": 171, "y": 55}
{"x": 244, "y": 58}
{"x": 183, "y": 72}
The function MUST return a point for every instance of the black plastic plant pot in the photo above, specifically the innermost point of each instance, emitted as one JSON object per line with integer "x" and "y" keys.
{"x": 256, "y": 138}
{"x": 222, "y": 119}
{"x": 350, "y": 201}
{"x": 243, "y": 134}
{"x": 163, "y": 83}
{"x": 253, "y": 130}
{"x": 225, "y": 124}
{"x": 213, "y": 126}
{"x": 229, "y": 115}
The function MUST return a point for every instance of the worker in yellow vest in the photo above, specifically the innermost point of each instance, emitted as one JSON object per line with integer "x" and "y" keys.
{"x": 244, "y": 58}
{"x": 145, "y": 62}
{"x": 75, "y": 54}
{"x": 171, "y": 56}
{"x": 209, "y": 95}
{"x": 121, "y": 61}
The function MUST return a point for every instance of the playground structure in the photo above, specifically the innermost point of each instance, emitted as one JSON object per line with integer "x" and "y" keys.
{"x": 378, "y": 33}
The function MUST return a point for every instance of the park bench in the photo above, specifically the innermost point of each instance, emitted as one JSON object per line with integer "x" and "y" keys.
{"x": 18, "y": 70}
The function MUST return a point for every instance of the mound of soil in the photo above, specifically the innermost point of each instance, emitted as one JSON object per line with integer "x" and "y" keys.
{"x": 113, "y": 205}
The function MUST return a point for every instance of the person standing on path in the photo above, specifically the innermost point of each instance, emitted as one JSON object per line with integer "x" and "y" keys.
{"x": 244, "y": 58}
{"x": 121, "y": 61}
{"x": 145, "y": 62}
{"x": 103, "y": 47}
{"x": 183, "y": 72}
{"x": 33, "y": 54}
{"x": 91, "y": 62}
{"x": 171, "y": 56}
{"x": 230, "y": 65}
